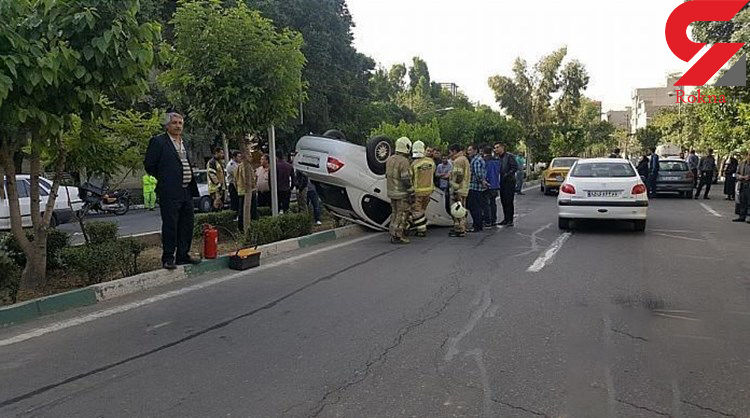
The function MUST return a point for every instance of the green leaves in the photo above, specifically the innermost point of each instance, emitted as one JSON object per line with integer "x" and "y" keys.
{"x": 232, "y": 69}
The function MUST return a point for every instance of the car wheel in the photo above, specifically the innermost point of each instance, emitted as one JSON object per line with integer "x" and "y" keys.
{"x": 204, "y": 205}
{"x": 379, "y": 148}
{"x": 563, "y": 224}
{"x": 542, "y": 187}
{"x": 334, "y": 134}
{"x": 640, "y": 225}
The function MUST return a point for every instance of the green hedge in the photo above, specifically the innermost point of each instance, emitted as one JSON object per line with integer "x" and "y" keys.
{"x": 286, "y": 226}
{"x": 224, "y": 221}
{"x": 10, "y": 276}
{"x": 56, "y": 241}
{"x": 101, "y": 232}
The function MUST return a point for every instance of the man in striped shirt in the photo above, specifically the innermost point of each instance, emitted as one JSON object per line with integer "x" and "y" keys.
{"x": 167, "y": 160}
{"x": 477, "y": 187}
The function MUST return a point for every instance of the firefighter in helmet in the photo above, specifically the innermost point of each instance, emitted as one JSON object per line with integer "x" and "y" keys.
{"x": 400, "y": 189}
{"x": 423, "y": 172}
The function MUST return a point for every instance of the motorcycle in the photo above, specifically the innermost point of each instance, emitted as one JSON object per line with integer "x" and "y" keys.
{"x": 101, "y": 200}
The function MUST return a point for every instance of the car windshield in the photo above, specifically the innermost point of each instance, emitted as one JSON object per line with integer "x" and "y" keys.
{"x": 563, "y": 162}
{"x": 673, "y": 166}
{"x": 603, "y": 170}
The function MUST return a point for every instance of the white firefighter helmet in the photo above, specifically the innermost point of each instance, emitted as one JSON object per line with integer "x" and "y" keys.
{"x": 458, "y": 210}
{"x": 403, "y": 145}
{"x": 417, "y": 149}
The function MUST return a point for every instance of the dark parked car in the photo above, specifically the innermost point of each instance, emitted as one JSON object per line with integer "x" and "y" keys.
{"x": 674, "y": 177}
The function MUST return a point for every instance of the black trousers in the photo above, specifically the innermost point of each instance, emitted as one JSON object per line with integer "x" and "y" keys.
{"x": 475, "y": 204}
{"x": 284, "y": 196}
{"x": 507, "y": 196}
{"x": 695, "y": 177}
{"x": 234, "y": 198}
{"x": 707, "y": 177}
{"x": 729, "y": 186}
{"x": 490, "y": 206}
{"x": 743, "y": 207}
{"x": 177, "y": 220}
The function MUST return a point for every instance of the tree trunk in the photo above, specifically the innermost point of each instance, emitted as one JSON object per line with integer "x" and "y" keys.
{"x": 35, "y": 272}
{"x": 249, "y": 184}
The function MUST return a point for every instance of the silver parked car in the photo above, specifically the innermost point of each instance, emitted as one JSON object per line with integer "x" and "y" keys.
{"x": 674, "y": 177}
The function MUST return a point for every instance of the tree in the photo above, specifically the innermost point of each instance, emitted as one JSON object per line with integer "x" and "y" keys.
{"x": 648, "y": 137}
{"x": 337, "y": 75}
{"x": 59, "y": 59}
{"x": 528, "y": 96}
{"x": 428, "y": 133}
{"x": 233, "y": 71}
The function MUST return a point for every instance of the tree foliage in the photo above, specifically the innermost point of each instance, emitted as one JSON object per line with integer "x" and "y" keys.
{"x": 232, "y": 70}
{"x": 59, "y": 62}
{"x": 542, "y": 98}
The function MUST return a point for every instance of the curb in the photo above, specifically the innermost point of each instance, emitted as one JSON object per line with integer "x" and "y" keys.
{"x": 91, "y": 295}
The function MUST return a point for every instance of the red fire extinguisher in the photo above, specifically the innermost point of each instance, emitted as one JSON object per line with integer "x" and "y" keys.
{"x": 210, "y": 241}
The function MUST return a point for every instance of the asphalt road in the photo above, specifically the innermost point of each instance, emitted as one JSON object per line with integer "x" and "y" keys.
{"x": 133, "y": 223}
{"x": 512, "y": 322}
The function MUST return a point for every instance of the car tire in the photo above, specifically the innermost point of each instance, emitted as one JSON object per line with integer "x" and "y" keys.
{"x": 640, "y": 225}
{"x": 563, "y": 224}
{"x": 542, "y": 187}
{"x": 204, "y": 205}
{"x": 334, "y": 134}
{"x": 379, "y": 148}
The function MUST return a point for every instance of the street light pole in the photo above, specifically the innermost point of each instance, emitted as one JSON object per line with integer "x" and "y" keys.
{"x": 274, "y": 179}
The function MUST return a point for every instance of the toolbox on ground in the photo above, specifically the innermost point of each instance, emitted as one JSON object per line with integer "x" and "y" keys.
{"x": 244, "y": 259}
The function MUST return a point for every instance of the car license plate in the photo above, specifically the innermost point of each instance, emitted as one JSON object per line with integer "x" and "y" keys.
{"x": 604, "y": 193}
{"x": 671, "y": 178}
{"x": 310, "y": 160}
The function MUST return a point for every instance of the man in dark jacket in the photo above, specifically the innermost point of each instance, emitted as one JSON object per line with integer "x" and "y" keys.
{"x": 508, "y": 168}
{"x": 167, "y": 160}
{"x": 707, "y": 167}
{"x": 284, "y": 179}
{"x": 493, "y": 181}
{"x": 653, "y": 172}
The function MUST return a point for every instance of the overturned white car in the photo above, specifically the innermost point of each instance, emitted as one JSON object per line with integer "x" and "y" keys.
{"x": 350, "y": 179}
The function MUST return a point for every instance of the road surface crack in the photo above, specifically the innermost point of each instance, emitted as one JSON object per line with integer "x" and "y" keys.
{"x": 520, "y": 408}
{"x": 191, "y": 336}
{"x": 705, "y": 408}
{"x": 331, "y": 397}
{"x": 635, "y": 337}
{"x": 642, "y": 407}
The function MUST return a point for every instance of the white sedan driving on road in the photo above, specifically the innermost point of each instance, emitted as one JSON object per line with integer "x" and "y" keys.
{"x": 603, "y": 188}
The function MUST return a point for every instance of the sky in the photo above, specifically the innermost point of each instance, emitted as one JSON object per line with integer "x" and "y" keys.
{"x": 621, "y": 42}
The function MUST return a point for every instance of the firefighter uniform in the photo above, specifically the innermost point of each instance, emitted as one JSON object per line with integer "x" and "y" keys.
{"x": 460, "y": 176}
{"x": 423, "y": 174}
{"x": 217, "y": 185}
{"x": 400, "y": 190}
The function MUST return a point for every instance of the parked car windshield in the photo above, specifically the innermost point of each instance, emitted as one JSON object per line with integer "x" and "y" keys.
{"x": 563, "y": 162}
{"x": 673, "y": 166}
{"x": 597, "y": 170}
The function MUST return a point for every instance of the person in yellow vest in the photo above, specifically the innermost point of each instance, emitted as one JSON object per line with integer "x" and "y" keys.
{"x": 460, "y": 176}
{"x": 217, "y": 183}
{"x": 423, "y": 172}
{"x": 149, "y": 191}
{"x": 400, "y": 189}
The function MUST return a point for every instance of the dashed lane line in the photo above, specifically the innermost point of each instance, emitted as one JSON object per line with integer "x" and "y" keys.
{"x": 545, "y": 258}
{"x": 711, "y": 210}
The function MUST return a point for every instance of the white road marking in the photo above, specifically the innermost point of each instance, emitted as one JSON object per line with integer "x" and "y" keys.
{"x": 694, "y": 337}
{"x": 672, "y": 311}
{"x": 677, "y": 317}
{"x": 549, "y": 254}
{"x": 711, "y": 210}
{"x": 673, "y": 231}
{"x": 530, "y": 188}
{"x": 679, "y": 237}
{"x": 58, "y": 326}
{"x": 157, "y": 326}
